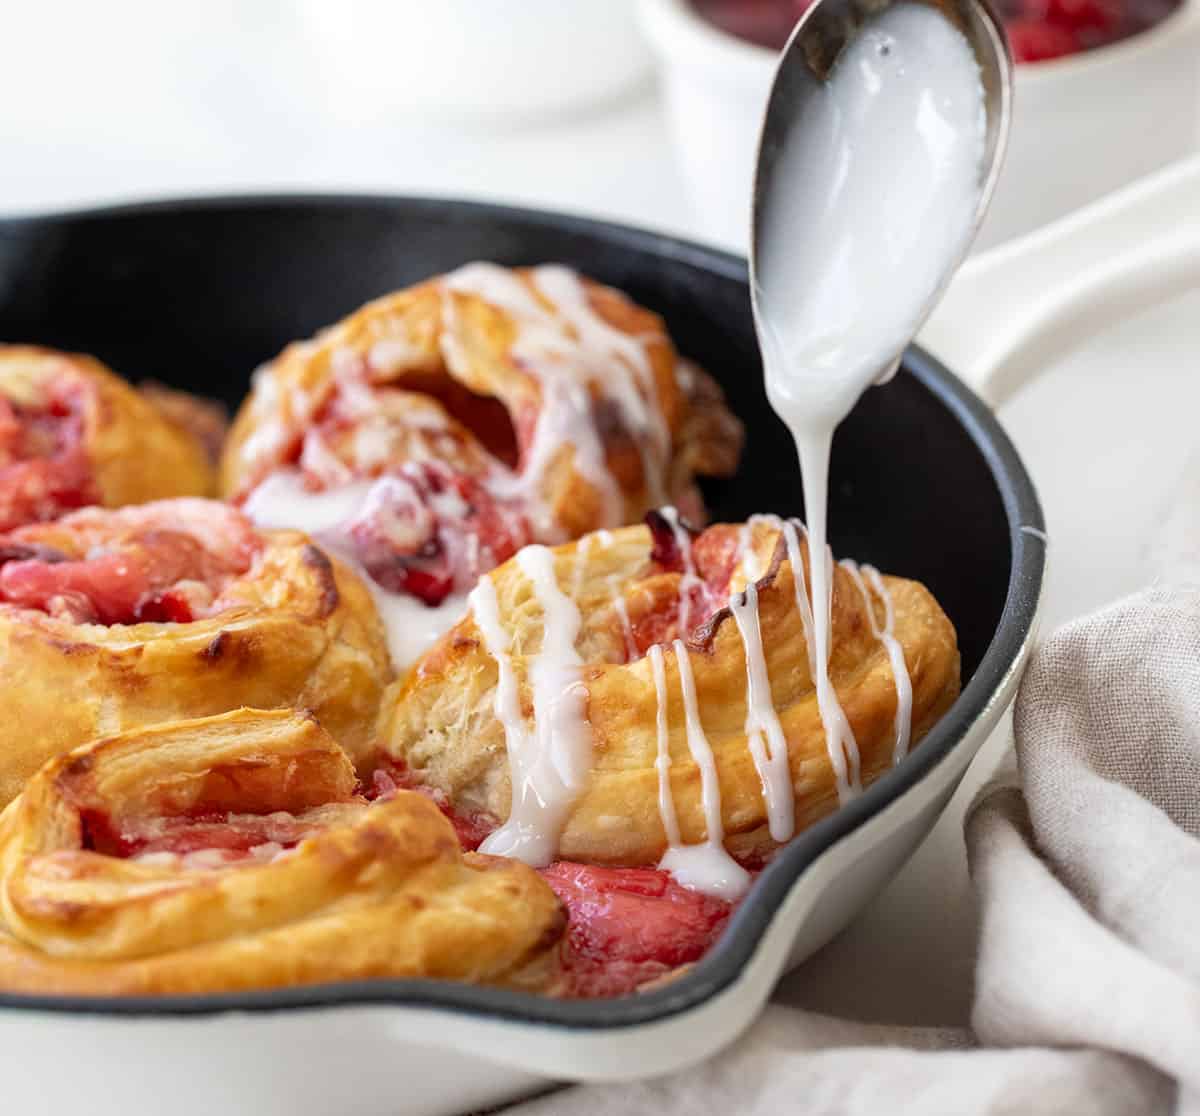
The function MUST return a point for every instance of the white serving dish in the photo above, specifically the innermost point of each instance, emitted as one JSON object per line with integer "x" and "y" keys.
{"x": 1083, "y": 126}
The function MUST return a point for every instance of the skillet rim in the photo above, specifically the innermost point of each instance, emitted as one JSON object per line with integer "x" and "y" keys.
{"x": 721, "y": 966}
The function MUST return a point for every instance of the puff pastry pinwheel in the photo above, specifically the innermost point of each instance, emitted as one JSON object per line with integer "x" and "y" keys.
{"x": 233, "y": 852}
{"x": 644, "y": 697}
{"x": 437, "y": 430}
{"x": 114, "y": 619}
{"x": 72, "y": 433}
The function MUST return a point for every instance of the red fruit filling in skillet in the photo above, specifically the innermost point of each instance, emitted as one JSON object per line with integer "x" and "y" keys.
{"x": 440, "y": 510}
{"x": 44, "y": 470}
{"x": 626, "y": 926}
{"x": 164, "y": 563}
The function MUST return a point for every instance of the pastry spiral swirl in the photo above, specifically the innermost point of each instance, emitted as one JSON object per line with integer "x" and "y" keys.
{"x": 664, "y": 652}
{"x": 233, "y": 852}
{"x": 437, "y": 430}
{"x": 72, "y": 433}
{"x": 115, "y": 619}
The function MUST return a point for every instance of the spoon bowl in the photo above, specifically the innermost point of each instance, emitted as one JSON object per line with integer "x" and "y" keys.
{"x": 804, "y": 69}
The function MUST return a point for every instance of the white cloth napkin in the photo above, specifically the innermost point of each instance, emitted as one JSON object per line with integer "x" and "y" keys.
{"x": 1087, "y": 872}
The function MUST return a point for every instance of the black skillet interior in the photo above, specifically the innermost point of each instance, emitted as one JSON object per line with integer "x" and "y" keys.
{"x": 196, "y": 294}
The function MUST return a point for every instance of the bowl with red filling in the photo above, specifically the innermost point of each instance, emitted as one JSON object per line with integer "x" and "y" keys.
{"x": 1090, "y": 75}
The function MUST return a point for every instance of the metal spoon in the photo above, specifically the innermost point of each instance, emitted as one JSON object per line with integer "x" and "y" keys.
{"x": 812, "y": 51}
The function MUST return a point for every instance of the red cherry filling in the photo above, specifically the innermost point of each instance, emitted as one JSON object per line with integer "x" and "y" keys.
{"x": 234, "y": 836}
{"x": 630, "y": 925}
{"x": 44, "y": 470}
{"x": 437, "y": 515}
{"x": 713, "y": 554}
{"x": 1032, "y": 41}
{"x": 140, "y": 573}
{"x": 393, "y": 775}
{"x": 1038, "y": 30}
{"x": 427, "y": 531}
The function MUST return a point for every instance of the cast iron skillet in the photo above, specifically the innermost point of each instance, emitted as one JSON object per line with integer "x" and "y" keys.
{"x": 925, "y": 483}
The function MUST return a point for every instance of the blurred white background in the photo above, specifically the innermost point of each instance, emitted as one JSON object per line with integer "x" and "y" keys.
{"x": 544, "y": 102}
{"x": 554, "y": 103}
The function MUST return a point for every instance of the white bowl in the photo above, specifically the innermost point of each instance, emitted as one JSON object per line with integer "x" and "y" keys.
{"x": 1083, "y": 126}
{"x": 474, "y": 59}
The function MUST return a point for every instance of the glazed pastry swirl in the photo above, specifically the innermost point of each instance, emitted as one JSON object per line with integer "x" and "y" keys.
{"x": 111, "y": 620}
{"x": 232, "y": 852}
{"x": 435, "y": 432}
{"x": 717, "y": 729}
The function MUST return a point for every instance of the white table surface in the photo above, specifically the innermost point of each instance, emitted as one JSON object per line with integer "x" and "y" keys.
{"x": 1105, "y": 434}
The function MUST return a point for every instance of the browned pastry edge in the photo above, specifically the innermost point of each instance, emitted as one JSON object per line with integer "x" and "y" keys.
{"x": 382, "y": 890}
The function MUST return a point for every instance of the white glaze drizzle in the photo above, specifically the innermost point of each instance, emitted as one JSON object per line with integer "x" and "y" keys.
{"x": 839, "y": 736}
{"x": 282, "y": 501}
{"x": 569, "y": 356}
{"x": 791, "y": 537}
{"x": 622, "y": 610}
{"x": 662, "y": 759}
{"x": 844, "y": 280}
{"x": 886, "y": 636}
{"x": 764, "y": 733}
{"x": 543, "y": 349}
{"x": 549, "y": 761}
{"x": 705, "y": 867}
{"x": 638, "y": 401}
{"x": 689, "y": 579}
{"x": 583, "y": 552}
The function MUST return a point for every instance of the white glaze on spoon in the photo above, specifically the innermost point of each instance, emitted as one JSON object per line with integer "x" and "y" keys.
{"x": 845, "y": 271}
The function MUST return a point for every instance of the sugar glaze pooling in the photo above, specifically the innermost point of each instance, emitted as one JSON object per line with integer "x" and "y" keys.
{"x": 283, "y": 501}
{"x": 705, "y": 867}
{"x": 843, "y": 275}
{"x": 550, "y": 759}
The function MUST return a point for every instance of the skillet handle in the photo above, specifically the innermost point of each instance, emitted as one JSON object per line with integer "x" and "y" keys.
{"x": 1011, "y": 311}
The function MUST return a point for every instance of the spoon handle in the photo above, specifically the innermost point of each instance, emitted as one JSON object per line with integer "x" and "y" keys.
{"x": 1010, "y": 312}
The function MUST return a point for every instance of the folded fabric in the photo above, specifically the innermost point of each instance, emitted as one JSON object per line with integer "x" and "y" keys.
{"x": 1087, "y": 872}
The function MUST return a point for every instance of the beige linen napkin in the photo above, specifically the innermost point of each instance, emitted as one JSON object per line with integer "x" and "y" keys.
{"x": 1087, "y": 875}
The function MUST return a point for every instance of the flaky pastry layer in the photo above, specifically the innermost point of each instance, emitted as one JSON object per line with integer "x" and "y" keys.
{"x": 470, "y": 357}
{"x": 361, "y": 890}
{"x": 440, "y": 720}
{"x": 297, "y": 629}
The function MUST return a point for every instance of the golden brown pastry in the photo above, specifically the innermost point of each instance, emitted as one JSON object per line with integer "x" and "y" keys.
{"x": 206, "y": 420}
{"x": 233, "y": 852}
{"x": 570, "y": 660}
{"x": 72, "y": 433}
{"x": 115, "y": 619}
{"x": 437, "y": 430}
